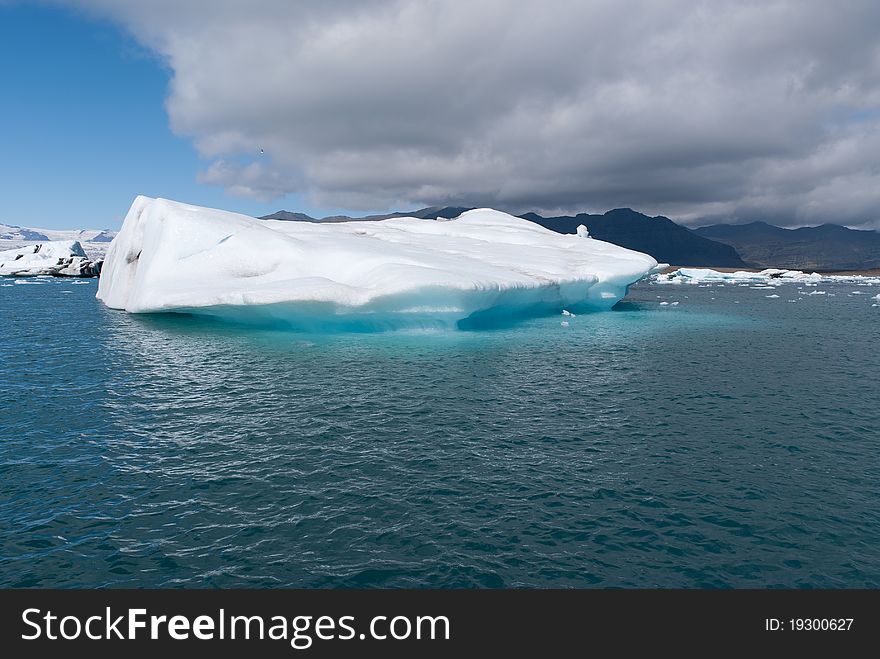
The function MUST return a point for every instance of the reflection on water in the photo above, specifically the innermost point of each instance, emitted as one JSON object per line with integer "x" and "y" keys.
{"x": 700, "y": 445}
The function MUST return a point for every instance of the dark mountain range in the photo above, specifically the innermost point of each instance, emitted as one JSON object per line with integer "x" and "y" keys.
{"x": 287, "y": 216}
{"x": 826, "y": 247}
{"x": 424, "y": 213}
{"x": 758, "y": 244}
{"x": 658, "y": 236}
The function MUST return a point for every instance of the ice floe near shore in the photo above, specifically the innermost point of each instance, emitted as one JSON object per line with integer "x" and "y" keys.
{"x": 61, "y": 258}
{"x": 478, "y": 268}
{"x": 769, "y": 277}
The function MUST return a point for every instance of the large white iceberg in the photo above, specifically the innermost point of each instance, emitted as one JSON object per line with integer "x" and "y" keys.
{"x": 60, "y": 258}
{"x": 478, "y": 268}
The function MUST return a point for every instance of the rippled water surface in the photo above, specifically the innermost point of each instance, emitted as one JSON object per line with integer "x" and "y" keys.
{"x": 730, "y": 440}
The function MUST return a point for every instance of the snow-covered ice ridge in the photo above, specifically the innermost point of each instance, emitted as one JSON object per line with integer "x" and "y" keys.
{"x": 479, "y": 268}
{"x": 60, "y": 258}
{"x": 770, "y": 277}
{"x": 94, "y": 242}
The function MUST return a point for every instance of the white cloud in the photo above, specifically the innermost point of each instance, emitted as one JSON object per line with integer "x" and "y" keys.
{"x": 728, "y": 109}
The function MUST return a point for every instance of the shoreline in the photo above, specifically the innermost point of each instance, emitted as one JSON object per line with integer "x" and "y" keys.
{"x": 875, "y": 272}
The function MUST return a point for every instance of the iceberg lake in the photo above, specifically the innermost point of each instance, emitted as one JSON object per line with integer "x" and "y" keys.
{"x": 729, "y": 440}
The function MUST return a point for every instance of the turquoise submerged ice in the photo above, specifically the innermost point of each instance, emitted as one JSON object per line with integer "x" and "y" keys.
{"x": 404, "y": 272}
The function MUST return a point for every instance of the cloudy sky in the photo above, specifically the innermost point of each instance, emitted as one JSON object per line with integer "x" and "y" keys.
{"x": 703, "y": 111}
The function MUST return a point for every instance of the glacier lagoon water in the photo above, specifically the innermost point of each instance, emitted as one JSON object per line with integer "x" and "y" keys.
{"x": 730, "y": 440}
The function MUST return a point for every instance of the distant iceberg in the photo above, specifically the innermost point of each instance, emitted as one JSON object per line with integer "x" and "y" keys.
{"x": 705, "y": 275}
{"x": 59, "y": 258}
{"x": 772, "y": 276}
{"x": 93, "y": 242}
{"x": 479, "y": 268}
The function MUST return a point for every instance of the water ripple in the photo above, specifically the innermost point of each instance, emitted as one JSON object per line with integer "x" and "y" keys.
{"x": 710, "y": 446}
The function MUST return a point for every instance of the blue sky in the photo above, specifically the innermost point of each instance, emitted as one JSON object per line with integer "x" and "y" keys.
{"x": 746, "y": 111}
{"x": 84, "y": 128}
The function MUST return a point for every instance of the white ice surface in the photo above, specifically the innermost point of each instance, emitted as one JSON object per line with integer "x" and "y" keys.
{"x": 93, "y": 241}
{"x": 765, "y": 278}
{"x": 480, "y": 266}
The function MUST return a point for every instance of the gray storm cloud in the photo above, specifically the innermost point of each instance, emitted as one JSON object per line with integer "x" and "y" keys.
{"x": 721, "y": 110}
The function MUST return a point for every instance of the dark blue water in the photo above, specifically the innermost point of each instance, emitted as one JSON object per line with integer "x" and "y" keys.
{"x": 699, "y": 445}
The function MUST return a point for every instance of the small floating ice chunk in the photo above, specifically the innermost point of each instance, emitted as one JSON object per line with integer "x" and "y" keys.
{"x": 769, "y": 277}
{"x": 566, "y": 312}
{"x": 771, "y": 296}
{"x": 564, "y": 323}
{"x": 663, "y": 304}
{"x": 62, "y": 258}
